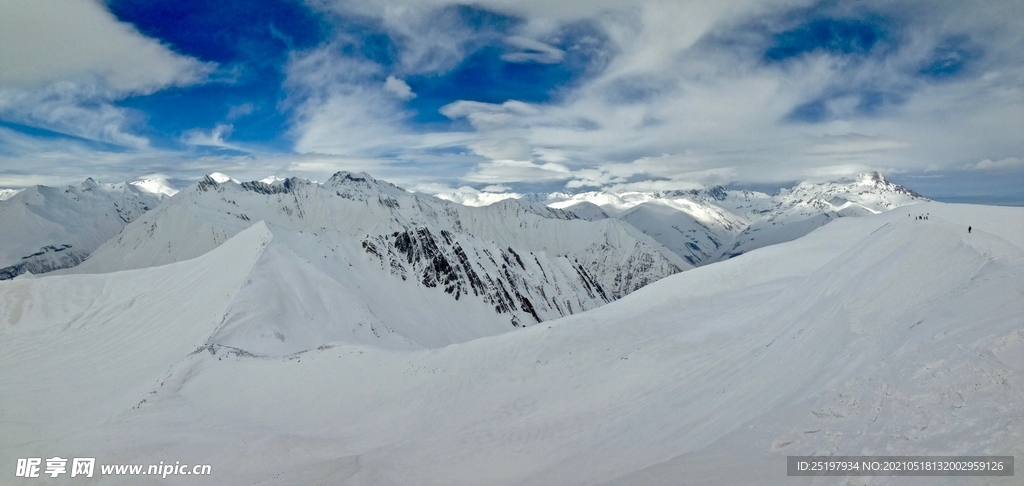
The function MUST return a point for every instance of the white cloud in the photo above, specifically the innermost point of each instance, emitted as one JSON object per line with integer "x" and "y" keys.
{"x": 1008, "y": 163}
{"x": 399, "y": 88}
{"x": 503, "y": 171}
{"x": 46, "y": 41}
{"x": 430, "y": 37}
{"x": 340, "y": 107}
{"x": 852, "y": 143}
{"x": 63, "y": 64}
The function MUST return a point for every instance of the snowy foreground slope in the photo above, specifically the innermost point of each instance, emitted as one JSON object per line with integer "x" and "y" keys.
{"x": 873, "y": 335}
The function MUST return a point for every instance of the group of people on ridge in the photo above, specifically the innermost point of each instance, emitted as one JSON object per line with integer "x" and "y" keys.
{"x": 925, "y": 217}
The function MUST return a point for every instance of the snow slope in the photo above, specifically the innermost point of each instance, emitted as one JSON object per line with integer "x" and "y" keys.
{"x": 872, "y": 335}
{"x": 47, "y": 228}
{"x": 460, "y": 273}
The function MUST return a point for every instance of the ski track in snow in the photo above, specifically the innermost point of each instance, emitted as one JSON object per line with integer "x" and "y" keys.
{"x": 873, "y": 335}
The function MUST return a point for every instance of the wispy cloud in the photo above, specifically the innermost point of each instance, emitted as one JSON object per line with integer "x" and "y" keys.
{"x": 216, "y": 137}
{"x": 530, "y": 50}
{"x": 83, "y": 109}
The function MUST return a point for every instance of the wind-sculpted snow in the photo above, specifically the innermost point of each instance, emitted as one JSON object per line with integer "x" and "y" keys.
{"x": 45, "y": 228}
{"x": 464, "y": 272}
{"x": 879, "y": 335}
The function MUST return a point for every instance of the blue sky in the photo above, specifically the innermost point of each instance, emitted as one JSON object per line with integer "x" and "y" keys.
{"x": 516, "y": 95}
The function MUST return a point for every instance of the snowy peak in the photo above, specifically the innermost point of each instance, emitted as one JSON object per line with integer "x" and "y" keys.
{"x": 361, "y": 186}
{"x": 870, "y": 191}
{"x": 221, "y": 178}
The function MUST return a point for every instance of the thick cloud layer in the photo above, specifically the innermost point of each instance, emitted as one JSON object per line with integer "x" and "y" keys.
{"x": 559, "y": 95}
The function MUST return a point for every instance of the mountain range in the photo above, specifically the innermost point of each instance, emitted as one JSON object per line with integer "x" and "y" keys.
{"x": 341, "y": 253}
{"x": 708, "y": 225}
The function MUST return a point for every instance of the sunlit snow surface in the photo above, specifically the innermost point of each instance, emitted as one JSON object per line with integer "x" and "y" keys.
{"x": 873, "y": 335}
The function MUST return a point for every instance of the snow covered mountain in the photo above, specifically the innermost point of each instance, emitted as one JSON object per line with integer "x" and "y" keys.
{"x": 705, "y": 226}
{"x": 7, "y": 193}
{"x": 848, "y": 341}
{"x": 357, "y": 259}
{"x": 792, "y": 213}
{"x": 48, "y": 228}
